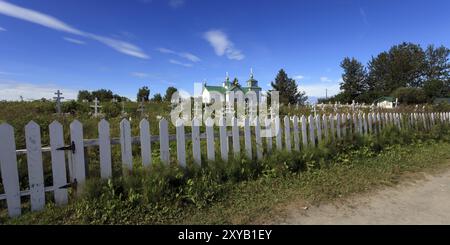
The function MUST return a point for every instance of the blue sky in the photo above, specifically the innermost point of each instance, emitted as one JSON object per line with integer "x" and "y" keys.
{"x": 126, "y": 44}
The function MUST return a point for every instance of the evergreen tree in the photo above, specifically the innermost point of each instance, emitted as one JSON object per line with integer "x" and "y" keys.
{"x": 288, "y": 89}
{"x": 354, "y": 79}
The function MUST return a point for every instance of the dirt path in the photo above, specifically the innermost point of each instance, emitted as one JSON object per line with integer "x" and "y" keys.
{"x": 425, "y": 201}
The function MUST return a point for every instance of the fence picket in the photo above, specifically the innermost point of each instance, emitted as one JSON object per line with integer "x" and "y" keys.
{"x": 318, "y": 128}
{"x": 210, "y": 151}
{"x": 235, "y": 135}
{"x": 296, "y": 134}
{"x": 125, "y": 144}
{"x": 181, "y": 142}
{"x": 104, "y": 141}
{"x": 164, "y": 141}
{"x": 332, "y": 127}
{"x": 146, "y": 145}
{"x": 338, "y": 126}
{"x": 223, "y": 139}
{"x": 9, "y": 171}
{"x": 304, "y": 132}
{"x": 278, "y": 142}
{"x": 287, "y": 133}
{"x": 247, "y": 139}
{"x": 326, "y": 130}
{"x": 196, "y": 151}
{"x": 35, "y": 168}
{"x": 78, "y": 164}
{"x": 312, "y": 138}
{"x": 269, "y": 132}
{"x": 258, "y": 140}
{"x": 58, "y": 163}
{"x": 344, "y": 125}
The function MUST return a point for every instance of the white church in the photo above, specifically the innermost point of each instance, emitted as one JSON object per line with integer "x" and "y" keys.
{"x": 228, "y": 90}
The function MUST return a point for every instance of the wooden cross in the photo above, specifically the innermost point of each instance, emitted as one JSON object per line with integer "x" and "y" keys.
{"x": 141, "y": 107}
{"x": 96, "y": 106}
{"x": 58, "y": 99}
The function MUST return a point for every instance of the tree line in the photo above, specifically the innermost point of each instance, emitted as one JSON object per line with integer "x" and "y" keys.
{"x": 406, "y": 71}
{"x": 106, "y": 95}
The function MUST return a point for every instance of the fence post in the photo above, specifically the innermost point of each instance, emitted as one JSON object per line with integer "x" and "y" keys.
{"x": 10, "y": 174}
{"x": 58, "y": 163}
{"x": 338, "y": 126}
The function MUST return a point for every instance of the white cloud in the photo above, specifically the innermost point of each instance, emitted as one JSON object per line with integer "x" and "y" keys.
{"x": 185, "y": 55}
{"x": 176, "y": 62}
{"x": 2, "y": 29}
{"x": 53, "y": 23}
{"x": 299, "y": 77}
{"x": 222, "y": 45}
{"x": 140, "y": 74}
{"x": 325, "y": 79}
{"x": 176, "y": 3}
{"x": 73, "y": 40}
{"x": 12, "y": 90}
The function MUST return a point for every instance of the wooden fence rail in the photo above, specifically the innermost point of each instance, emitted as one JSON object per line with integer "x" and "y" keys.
{"x": 69, "y": 157}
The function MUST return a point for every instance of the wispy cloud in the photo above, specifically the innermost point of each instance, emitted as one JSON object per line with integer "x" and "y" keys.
{"x": 176, "y": 3}
{"x": 184, "y": 55}
{"x": 140, "y": 74}
{"x": 222, "y": 45}
{"x": 2, "y": 29}
{"x": 363, "y": 16}
{"x": 299, "y": 77}
{"x": 12, "y": 90}
{"x": 325, "y": 79}
{"x": 73, "y": 40}
{"x": 53, "y": 23}
{"x": 176, "y": 62}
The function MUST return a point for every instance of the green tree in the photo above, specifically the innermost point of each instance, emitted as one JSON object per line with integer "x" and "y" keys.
{"x": 288, "y": 89}
{"x": 157, "y": 98}
{"x": 353, "y": 79}
{"x": 435, "y": 89}
{"x": 103, "y": 95}
{"x": 409, "y": 95}
{"x": 143, "y": 92}
{"x": 437, "y": 63}
{"x": 84, "y": 95}
{"x": 169, "y": 92}
{"x": 402, "y": 66}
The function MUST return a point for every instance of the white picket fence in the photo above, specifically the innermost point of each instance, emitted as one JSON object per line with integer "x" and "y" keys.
{"x": 312, "y": 131}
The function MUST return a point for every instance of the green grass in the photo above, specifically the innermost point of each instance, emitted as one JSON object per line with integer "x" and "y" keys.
{"x": 242, "y": 191}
